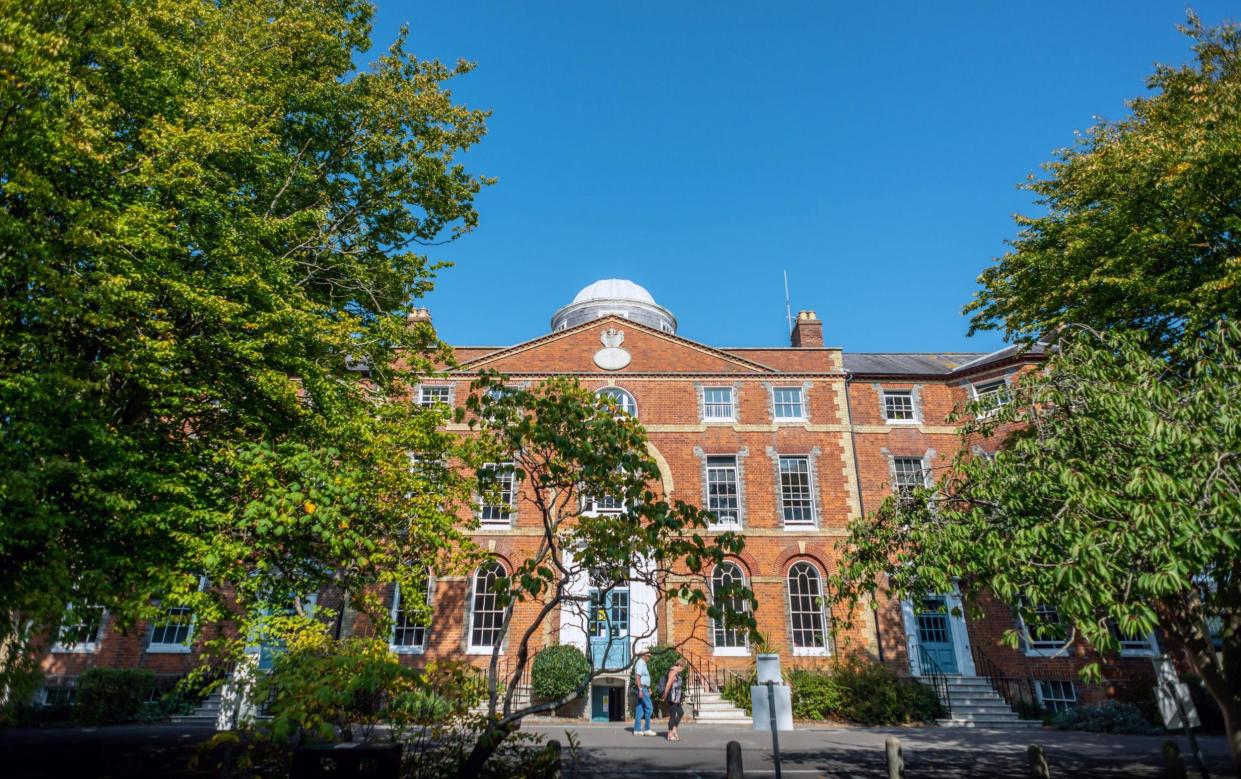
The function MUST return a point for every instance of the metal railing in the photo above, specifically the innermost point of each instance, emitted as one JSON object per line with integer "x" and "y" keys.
{"x": 932, "y": 673}
{"x": 1017, "y": 691}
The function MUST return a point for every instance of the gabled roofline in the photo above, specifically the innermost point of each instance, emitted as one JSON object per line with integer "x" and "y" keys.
{"x": 527, "y": 345}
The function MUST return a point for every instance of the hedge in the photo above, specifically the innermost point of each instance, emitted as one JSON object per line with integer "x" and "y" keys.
{"x": 108, "y": 696}
{"x": 558, "y": 670}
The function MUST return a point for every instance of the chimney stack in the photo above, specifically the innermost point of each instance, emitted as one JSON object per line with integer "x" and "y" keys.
{"x": 417, "y": 315}
{"x": 807, "y": 331}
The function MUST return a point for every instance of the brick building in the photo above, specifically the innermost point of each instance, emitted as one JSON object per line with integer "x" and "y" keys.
{"x": 785, "y": 443}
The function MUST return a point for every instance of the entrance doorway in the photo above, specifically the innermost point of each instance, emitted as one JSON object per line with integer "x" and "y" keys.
{"x": 607, "y": 704}
{"x": 935, "y": 635}
{"x": 609, "y": 628}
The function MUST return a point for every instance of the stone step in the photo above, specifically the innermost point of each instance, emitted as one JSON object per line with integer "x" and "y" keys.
{"x": 1001, "y": 709}
{"x": 992, "y": 724}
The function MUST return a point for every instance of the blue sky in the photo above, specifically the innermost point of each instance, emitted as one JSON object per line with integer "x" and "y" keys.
{"x": 699, "y": 149}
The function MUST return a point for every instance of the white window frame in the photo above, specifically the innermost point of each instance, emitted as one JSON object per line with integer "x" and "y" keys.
{"x": 424, "y": 402}
{"x": 810, "y": 486}
{"x": 898, "y": 471}
{"x": 716, "y": 630}
{"x": 81, "y": 647}
{"x": 473, "y": 612}
{"x": 1056, "y": 702}
{"x": 1145, "y": 647}
{"x": 396, "y": 612}
{"x": 708, "y": 467}
{"x": 895, "y": 393}
{"x": 707, "y": 416}
{"x": 992, "y": 386}
{"x": 502, "y": 517}
{"x": 185, "y": 647}
{"x": 1056, "y": 647}
{"x": 800, "y": 404}
{"x": 623, "y": 397}
{"x": 824, "y": 617}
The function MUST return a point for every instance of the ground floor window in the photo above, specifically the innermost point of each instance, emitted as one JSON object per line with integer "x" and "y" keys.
{"x": 807, "y": 618}
{"x": 1056, "y": 696}
{"x": 726, "y": 576}
{"x": 486, "y": 613}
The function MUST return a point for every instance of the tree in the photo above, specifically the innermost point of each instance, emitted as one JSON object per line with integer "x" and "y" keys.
{"x": 210, "y": 220}
{"x": 1143, "y": 215}
{"x": 592, "y": 484}
{"x": 1117, "y": 502}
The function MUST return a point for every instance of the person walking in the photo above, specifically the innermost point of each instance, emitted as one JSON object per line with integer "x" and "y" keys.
{"x": 644, "y": 707}
{"x": 672, "y": 696}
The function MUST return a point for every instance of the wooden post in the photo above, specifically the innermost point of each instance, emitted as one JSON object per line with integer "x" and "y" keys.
{"x": 896, "y": 760}
{"x": 1038, "y": 763}
{"x": 733, "y": 761}
{"x": 553, "y": 759}
{"x": 1174, "y": 766}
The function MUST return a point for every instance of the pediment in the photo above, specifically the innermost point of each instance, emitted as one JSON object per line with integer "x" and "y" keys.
{"x": 613, "y": 345}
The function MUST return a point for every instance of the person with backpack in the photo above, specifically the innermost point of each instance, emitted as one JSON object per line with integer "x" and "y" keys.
{"x": 670, "y": 691}
{"x": 644, "y": 707}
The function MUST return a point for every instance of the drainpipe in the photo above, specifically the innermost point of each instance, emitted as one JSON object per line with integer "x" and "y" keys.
{"x": 857, "y": 480}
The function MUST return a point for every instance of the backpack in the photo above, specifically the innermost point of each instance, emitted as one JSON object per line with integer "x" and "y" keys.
{"x": 663, "y": 685}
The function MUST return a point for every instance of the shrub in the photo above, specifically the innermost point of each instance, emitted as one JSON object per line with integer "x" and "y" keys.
{"x": 661, "y": 659}
{"x": 874, "y": 695}
{"x": 1106, "y": 717}
{"x": 108, "y": 696}
{"x": 558, "y": 671}
{"x": 737, "y": 691}
{"x": 816, "y": 695}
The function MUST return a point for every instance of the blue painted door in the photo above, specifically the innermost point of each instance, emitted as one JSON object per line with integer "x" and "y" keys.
{"x": 935, "y": 636}
{"x": 609, "y": 629}
{"x": 599, "y": 699}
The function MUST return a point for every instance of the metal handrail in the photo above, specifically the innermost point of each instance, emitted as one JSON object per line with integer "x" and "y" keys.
{"x": 939, "y": 680}
{"x": 1017, "y": 691}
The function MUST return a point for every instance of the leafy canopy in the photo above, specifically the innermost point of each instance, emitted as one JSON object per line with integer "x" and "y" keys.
{"x": 209, "y": 216}
{"x": 1143, "y": 215}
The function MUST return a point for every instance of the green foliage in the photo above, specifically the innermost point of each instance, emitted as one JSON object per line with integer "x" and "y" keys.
{"x": 1142, "y": 227}
{"x": 209, "y": 215}
{"x": 558, "y": 671}
{"x": 661, "y": 660}
{"x": 320, "y": 689}
{"x": 1117, "y": 502}
{"x": 1106, "y": 717}
{"x": 737, "y": 692}
{"x": 443, "y": 751}
{"x": 873, "y": 695}
{"x": 816, "y": 695}
{"x": 109, "y": 696}
{"x": 859, "y": 691}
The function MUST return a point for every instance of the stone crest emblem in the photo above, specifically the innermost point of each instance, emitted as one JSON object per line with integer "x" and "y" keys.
{"x": 611, "y": 357}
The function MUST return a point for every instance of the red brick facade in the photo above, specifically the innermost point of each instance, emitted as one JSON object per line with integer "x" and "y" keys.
{"x": 849, "y": 442}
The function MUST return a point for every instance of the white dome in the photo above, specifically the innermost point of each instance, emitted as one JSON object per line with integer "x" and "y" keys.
{"x": 614, "y": 289}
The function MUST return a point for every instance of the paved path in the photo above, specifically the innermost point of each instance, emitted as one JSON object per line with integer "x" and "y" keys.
{"x": 613, "y": 751}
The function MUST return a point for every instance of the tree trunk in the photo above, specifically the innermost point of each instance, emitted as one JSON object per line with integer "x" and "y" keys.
{"x": 486, "y": 745}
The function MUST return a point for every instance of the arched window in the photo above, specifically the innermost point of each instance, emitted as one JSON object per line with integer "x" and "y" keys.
{"x": 622, "y": 398}
{"x": 728, "y": 575}
{"x": 410, "y": 625}
{"x": 486, "y": 614}
{"x": 807, "y": 616}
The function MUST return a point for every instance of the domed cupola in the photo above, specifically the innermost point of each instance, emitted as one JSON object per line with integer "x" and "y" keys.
{"x": 614, "y": 296}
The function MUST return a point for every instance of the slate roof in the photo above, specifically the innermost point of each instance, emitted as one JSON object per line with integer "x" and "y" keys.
{"x": 932, "y": 363}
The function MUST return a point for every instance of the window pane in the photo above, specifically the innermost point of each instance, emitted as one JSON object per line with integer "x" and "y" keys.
{"x": 722, "y": 491}
{"x": 908, "y": 474}
{"x": 500, "y": 512}
{"x": 82, "y": 625}
{"x": 788, "y": 403}
{"x": 796, "y": 498}
{"x": 622, "y": 399}
{"x": 175, "y": 629}
{"x": 898, "y": 405}
{"x": 487, "y": 618}
{"x": 429, "y": 396}
{"x": 717, "y": 403}
{"x": 409, "y": 628}
{"x": 728, "y": 575}
{"x": 1045, "y": 628}
{"x": 807, "y": 623}
{"x": 1057, "y": 695}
